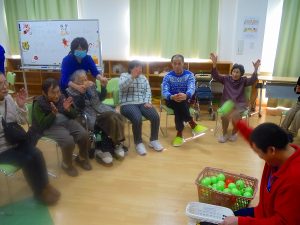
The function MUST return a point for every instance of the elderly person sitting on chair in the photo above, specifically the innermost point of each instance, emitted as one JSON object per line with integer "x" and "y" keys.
{"x": 135, "y": 101}
{"x": 100, "y": 117}
{"x": 291, "y": 122}
{"x": 24, "y": 155}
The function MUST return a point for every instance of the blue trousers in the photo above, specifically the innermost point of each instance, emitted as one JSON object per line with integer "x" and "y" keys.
{"x": 134, "y": 113}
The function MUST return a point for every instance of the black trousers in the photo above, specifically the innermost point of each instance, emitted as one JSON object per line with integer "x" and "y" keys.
{"x": 32, "y": 162}
{"x": 181, "y": 111}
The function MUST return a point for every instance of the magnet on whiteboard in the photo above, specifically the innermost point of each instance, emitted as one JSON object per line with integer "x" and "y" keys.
{"x": 240, "y": 47}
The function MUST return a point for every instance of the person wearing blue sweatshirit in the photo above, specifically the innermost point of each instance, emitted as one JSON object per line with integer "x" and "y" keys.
{"x": 78, "y": 59}
{"x": 178, "y": 88}
{"x": 2, "y": 59}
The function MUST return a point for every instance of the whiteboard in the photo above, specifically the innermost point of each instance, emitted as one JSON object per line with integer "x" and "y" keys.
{"x": 44, "y": 43}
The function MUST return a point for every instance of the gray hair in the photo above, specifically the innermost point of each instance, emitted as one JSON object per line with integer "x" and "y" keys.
{"x": 76, "y": 74}
{"x": 177, "y": 56}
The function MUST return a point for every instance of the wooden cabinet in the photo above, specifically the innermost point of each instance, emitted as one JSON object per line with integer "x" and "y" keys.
{"x": 116, "y": 67}
{"x": 206, "y": 67}
{"x": 154, "y": 71}
{"x": 34, "y": 78}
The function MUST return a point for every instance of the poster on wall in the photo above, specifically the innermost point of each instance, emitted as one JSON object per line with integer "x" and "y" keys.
{"x": 250, "y": 28}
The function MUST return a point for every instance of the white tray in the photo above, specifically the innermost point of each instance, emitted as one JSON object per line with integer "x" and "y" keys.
{"x": 202, "y": 212}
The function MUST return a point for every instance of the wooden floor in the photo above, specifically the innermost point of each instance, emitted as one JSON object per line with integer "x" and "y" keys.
{"x": 149, "y": 190}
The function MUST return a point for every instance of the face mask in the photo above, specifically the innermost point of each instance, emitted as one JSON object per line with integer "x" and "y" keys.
{"x": 80, "y": 53}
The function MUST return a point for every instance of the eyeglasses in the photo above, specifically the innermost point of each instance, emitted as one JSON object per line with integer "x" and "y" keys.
{"x": 4, "y": 83}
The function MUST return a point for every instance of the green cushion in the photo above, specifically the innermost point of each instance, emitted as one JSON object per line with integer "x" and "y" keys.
{"x": 11, "y": 78}
{"x": 109, "y": 101}
{"x": 44, "y": 138}
{"x": 112, "y": 85}
{"x": 8, "y": 169}
{"x": 170, "y": 111}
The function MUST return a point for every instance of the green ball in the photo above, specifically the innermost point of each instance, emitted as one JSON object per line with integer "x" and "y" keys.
{"x": 226, "y": 107}
{"x": 221, "y": 176}
{"x": 221, "y": 182}
{"x": 214, "y": 186}
{"x": 249, "y": 189}
{"x": 240, "y": 184}
{"x": 213, "y": 179}
{"x": 206, "y": 181}
{"x": 235, "y": 191}
{"x": 247, "y": 194}
{"x": 220, "y": 186}
{"x": 227, "y": 190}
{"x": 231, "y": 186}
{"x": 242, "y": 191}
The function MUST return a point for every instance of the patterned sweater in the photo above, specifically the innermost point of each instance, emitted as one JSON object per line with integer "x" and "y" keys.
{"x": 174, "y": 84}
{"x": 14, "y": 114}
{"x": 134, "y": 91}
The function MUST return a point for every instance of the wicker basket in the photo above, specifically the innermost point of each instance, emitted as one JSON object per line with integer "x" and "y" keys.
{"x": 211, "y": 196}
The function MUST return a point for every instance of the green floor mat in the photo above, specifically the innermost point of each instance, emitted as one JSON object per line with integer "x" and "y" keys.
{"x": 26, "y": 212}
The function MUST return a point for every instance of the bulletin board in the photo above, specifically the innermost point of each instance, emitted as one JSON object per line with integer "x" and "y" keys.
{"x": 44, "y": 43}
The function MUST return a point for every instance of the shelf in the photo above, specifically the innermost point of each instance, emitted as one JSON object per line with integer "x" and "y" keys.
{"x": 155, "y": 88}
{"x": 154, "y": 71}
{"x": 28, "y": 84}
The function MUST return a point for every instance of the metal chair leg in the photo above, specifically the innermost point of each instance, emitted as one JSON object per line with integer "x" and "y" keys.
{"x": 217, "y": 126}
{"x": 161, "y": 129}
{"x": 51, "y": 174}
{"x": 128, "y": 133}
